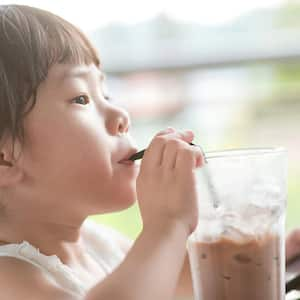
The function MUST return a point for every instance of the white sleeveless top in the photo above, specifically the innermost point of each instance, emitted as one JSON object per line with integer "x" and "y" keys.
{"x": 101, "y": 243}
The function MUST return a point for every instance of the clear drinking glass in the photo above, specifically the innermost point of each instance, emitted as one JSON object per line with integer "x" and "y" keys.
{"x": 237, "y": 250}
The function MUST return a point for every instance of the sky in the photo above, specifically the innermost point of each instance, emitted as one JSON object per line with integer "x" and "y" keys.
{"x": 92, "y": 14}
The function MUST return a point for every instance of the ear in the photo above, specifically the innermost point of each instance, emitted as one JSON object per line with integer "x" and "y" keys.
{"x": 10, "y": 171}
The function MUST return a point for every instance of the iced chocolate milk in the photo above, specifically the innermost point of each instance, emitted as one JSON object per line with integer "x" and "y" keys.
{"x": 233, "y": 270}
{"x": 237, "y": 250}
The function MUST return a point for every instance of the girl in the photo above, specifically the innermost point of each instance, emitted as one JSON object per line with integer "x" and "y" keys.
{"x": 64, "y": 149}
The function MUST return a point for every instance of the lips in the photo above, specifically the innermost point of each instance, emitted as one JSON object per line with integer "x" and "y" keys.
{"x": 125, "y": 159}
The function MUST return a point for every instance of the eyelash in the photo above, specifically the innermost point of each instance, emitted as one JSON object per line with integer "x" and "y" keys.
{"x": 106, "y": 97}
{"x": 84, "y": 96}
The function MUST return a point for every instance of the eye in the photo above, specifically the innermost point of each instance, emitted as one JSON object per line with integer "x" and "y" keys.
{"x": 82, "y": 99}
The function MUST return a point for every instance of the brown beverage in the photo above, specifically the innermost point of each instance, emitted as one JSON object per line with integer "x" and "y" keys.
{"x": 230, "y": 270}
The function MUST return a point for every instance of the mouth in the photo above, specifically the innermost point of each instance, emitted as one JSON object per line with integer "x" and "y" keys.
{"x": 125, "y": 160}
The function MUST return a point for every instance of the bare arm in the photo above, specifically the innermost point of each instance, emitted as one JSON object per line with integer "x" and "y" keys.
{"x": 150, "y": 271}
{"x": 151, "y": 268}
{"x": 184, "y": 288}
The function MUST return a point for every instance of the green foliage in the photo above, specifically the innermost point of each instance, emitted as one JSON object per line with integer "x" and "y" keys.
{"x": 293, "y": 209}
{"x": 127, "y": 222}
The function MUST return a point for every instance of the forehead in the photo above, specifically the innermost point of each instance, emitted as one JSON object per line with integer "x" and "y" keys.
{"x": 62, "y": 72}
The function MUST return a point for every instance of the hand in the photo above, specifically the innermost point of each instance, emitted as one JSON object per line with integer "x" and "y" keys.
{"x": 166, "y": 185}
{"x": 292, "y": 244}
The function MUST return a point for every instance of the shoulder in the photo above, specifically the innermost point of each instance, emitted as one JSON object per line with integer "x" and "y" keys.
{"x": 21, "y": 280}
{"x": 107, "y": 234}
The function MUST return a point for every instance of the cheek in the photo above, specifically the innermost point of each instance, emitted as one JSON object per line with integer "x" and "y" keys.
{"x": 64, "y": 138}
{"x": 75, "y": 161}
{"x": 85, "y": 164}
{"x": 67, "y": 158}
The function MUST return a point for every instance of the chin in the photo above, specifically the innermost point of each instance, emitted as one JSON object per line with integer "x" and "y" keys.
{"x": 116, "y": 198}
{"x": 124, "y": 206}
{"x": 122, "y": 203}
{"x": 126, "y": 195}
{"x": 114, "y": 205}
{"x": 124, "y": 199}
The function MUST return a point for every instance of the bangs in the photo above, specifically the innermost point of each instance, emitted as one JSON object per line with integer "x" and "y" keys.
{"x": 61, "y": 42}
{"x": 37, "y": 39}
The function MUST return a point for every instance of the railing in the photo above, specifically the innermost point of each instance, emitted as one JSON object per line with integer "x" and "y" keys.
{"x": 226, "y": 51}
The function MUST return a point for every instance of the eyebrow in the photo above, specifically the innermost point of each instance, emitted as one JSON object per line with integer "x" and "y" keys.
{"x": 80, "y": 74}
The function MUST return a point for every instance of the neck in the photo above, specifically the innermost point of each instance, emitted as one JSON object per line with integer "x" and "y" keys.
{"x": 50, "y": 237}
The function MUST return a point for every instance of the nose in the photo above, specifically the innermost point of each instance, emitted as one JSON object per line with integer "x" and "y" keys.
{"x": 118, "y": 121}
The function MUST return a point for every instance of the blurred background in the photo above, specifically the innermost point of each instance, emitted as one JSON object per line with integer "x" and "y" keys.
{"x": 228, "y": 70}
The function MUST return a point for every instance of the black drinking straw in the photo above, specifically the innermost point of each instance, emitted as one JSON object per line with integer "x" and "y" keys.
{"x": 140, "y": 154}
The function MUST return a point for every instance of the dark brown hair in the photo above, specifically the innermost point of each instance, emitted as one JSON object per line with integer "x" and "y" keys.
{"x": 31, "y": 41}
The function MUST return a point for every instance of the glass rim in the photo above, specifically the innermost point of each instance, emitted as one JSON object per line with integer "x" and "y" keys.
{"x": 244, "y": 152}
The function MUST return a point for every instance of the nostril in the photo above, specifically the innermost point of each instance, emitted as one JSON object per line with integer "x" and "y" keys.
{"x": 124, "y": 128}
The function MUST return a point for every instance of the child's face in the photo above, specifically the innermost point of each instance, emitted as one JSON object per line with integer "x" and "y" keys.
{"x": 73, "y": 145}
